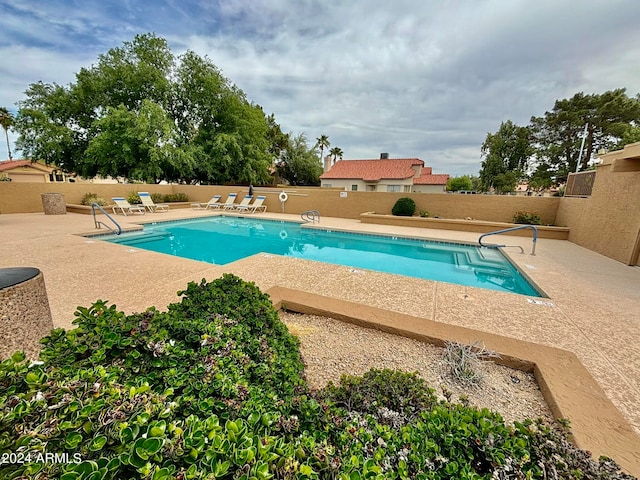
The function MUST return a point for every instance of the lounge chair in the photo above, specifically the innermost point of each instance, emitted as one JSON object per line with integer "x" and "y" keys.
{"x": 235, "y": 206}
{"x": 125, "y": 207}
{"x": 255, "y": 206}
{"x": 147, "y": 202}
{"x": 213, "y": 203}
{"x": 231, "y": 199}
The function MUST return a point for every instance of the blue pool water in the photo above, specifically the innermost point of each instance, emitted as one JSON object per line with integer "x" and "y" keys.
{"x": 221, "y": 240}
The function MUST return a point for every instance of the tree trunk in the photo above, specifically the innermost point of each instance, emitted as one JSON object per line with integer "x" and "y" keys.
{"x": 6, "y": 132}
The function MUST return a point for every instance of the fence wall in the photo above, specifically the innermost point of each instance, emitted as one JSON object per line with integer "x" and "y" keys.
{"x": 608, "y": 222}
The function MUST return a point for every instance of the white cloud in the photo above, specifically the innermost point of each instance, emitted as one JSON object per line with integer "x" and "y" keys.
{"x": 414, "y": 79}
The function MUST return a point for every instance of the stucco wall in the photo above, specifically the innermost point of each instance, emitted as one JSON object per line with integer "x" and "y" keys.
{"x": 25, "y": 198}
{"x": 608, "y": 222}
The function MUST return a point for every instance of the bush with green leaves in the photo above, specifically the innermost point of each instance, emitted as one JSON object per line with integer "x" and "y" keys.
{"x": 176, "y": 197}
{"x": 526, "y": 218}
{"x": 214, "y": 388}
{"x": 404, "y": 207}
{"x": 90, "y": 198}
{"x": 133, "y": 198}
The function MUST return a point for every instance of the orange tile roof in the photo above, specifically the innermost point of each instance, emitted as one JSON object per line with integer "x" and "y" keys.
{"x": 431, "y": 179}
{"x": 373, "y": 170}
{"x": 11, "y": 164}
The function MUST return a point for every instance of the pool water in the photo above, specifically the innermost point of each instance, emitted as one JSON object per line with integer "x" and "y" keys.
{"x": 221, "y": 240}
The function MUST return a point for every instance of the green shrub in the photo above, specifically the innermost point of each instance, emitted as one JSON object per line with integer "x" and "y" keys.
{"x": 404, "y": 207}
{"x": 526, "y": 218}
{"x": 90, "y": 198}
{"x": 133, "y": 198}
{"x": 214, "y": 388}
{"x": 158, "y": 198}
{"x": 176, "y": 197}
{"x": 424, "y": 213}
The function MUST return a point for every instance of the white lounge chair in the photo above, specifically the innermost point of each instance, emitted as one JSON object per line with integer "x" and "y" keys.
{"x": 125, "y": 207}
{"x": 149, "y": 204}
{"x": 255, "y": 206}
{"x": 231, "y": 199}
{"x": 236, "y": 206}
{"x": 213, "y": 203}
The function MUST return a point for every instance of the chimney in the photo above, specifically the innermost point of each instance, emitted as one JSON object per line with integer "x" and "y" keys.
{"x": 384, "y": 156}
{"x": 327, "y": 163}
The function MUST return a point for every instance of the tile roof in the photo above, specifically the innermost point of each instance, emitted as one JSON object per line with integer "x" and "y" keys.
{"x": 11, "y": 164}
{"x": 373, "y": 170}
{"x": 431, "y": 179}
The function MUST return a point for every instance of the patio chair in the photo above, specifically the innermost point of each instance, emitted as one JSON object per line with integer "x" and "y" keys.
{"x": 255, "y": 206}
{"x": 231, "y": 199}
{"x": 125, "y": 207}
{"x": 235, "y": 206}
{"x": 213, "y": 203}
{"x": 149, "y": 204}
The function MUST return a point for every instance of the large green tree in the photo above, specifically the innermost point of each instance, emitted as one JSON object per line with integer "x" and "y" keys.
{"x": 455, "y": 184}
{"x": 144, "y": 114}
{"x": 507, "y": 150}
{"x": 557, "y": 136}
{"x": 6, "y": 121}
{"x": 298, "y": 164}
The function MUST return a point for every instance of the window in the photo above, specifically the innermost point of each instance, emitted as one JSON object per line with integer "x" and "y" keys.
{"x": 354, "y": 188}
{"x": 394, "y": 188}
{"x": 326, "y": 185}
{"x": 371, "y": 188}
{"x": 407, "y": 188}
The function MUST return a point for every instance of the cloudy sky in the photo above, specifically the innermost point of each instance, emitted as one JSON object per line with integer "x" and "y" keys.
{"x": 414, "y": 78}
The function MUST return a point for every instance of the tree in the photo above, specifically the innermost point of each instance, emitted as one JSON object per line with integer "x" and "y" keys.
{"x": 336, "y": 152}
{"x": 6, "y": 121}
{"x": 142, "y": 113}
{"x": 541, "y": 179}
{"x": 322, "y": 142}
{"x": 456, "y": 184}
{"x": 558, "y": 134}
{"x": 506, "y": 182}
{"x": 298, "y": 164}
{"x": 505, "y": 151}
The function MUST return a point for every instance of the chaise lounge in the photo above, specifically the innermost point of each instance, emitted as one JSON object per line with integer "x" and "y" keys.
{"x": 125, "y": 207}
{"x": 149, "y": 204}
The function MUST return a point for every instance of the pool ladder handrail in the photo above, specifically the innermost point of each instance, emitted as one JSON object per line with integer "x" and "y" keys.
{"x": 97, "y": 222}
{"x": 310, "y": 216}
{"x": 521, "y": 227}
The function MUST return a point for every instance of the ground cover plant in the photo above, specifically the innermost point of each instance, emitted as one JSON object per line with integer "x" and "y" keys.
{"x": 214, "y": 388}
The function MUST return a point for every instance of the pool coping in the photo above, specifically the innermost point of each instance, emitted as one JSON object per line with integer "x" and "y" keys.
{"x": 568, "y": 388}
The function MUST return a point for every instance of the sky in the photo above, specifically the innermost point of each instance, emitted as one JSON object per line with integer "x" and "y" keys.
{"x": 412, "y": 78}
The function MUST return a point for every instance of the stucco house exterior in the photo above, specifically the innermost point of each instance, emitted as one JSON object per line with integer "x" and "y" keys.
{"x": 383, "y": 175}
{"x": 28, "y": 171}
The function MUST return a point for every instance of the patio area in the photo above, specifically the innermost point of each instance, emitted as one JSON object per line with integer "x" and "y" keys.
{"x": 592, "y": 307}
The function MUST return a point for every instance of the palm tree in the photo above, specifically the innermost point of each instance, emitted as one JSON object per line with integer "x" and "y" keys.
{"x": 337, "y": 153}
{"x": 6, "y": 120}
{"x": 323, "y": 142}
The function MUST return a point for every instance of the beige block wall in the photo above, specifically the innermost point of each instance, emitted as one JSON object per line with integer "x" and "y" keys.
{"x": 608, "y": 222}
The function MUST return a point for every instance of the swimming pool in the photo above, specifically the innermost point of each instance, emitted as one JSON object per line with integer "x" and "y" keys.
{"x": 221, "y": 240}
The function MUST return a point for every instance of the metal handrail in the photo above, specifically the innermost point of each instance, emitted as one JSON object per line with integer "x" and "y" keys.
{"x": 97, "y": 222}
{"x": 310, "y": 216}
{"x": 521, "y": 227}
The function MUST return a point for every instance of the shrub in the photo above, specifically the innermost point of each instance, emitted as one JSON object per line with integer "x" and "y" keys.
{"x": 133, "y": 198}
{"x": 526, "y": 218}
{"x": 158, "y": 198}
{"x": 176, "y": 197}
{"x": 404, "y": 207}
{"x": 90, "y": 198}
{"x": 464, "y": 361}
{"x": 424, "y": 213}
{"x": 214, "y": 388}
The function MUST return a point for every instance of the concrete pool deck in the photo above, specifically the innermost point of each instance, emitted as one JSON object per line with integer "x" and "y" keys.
{"x": 593, "y": 309}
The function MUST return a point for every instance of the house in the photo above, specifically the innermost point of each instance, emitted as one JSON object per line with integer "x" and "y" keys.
{"x": 28, "y": 171}
{"x": 383, "y": 175}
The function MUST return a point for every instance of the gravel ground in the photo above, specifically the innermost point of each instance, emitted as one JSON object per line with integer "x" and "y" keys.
{"x": 331, "y": 348}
